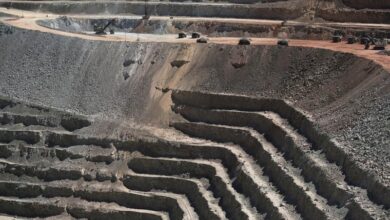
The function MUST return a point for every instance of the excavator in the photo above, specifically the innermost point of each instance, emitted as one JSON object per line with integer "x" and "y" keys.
{"x": 99, "y": 29}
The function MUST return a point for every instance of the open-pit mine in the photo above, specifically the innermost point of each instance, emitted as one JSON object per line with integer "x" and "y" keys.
{"x": 195, "y": 109}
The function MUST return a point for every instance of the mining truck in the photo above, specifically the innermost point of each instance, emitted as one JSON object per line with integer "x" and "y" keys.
{"x": 337, "y": 36}
{"x": 244, "y": 41}
{"x": 351, "y": 39}
{"x": 182, "y": 35}
{"x": 364, "y": 40}
{"x": 282, "y": 42}
{"x": 380, "y": 41}
{"x": 380, "y": 44}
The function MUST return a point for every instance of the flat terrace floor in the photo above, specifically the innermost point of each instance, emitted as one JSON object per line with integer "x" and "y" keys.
{"x": 27, "y": 20}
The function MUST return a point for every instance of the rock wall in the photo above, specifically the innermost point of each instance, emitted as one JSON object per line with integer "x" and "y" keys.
{"x": 163, "y": 9}
{"x": 360, "y": 4}
{"x": 131, "y": 81}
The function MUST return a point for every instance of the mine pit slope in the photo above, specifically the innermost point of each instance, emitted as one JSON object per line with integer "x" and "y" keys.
{"x": 163, "y": 29}
{"x": 333, "y": 10}
{"x": 149, "y": 126}
{"x": 215, "y": 27}
{"x": 265, "y": 160}
{"x": 259, "y": 128}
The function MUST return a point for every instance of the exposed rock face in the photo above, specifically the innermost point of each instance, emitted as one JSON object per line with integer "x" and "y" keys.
{"x": 294, "y": 133}
{"x": 378, "y": 11}
{"x": 361, "y": 4}
{"x": 55, "y": 169}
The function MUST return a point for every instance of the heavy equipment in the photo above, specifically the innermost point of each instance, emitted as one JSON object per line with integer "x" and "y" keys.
{"x": 283, "y": 42}
{"x": 202, "y": 40}
{"x": 351, "y": 39}
{"x": 380, "y": 44}
{"x": 244, "y": 41}
{"x": 100, "y": 29}
{"x": 337, "y": 36}
{"x": 195, "y": 35}
{"x": 365, "y": 40}
{"x": 182, "y": 35}
{"x": 380, "y": 41}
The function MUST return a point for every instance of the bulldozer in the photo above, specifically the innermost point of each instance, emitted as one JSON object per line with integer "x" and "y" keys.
{"x": 101, "y": 29}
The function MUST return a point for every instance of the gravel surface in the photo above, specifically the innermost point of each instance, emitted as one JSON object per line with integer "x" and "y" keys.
{"x": 348, "y": 96}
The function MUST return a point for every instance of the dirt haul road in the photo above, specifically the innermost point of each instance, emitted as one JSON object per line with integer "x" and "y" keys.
{"x": 29, "y": 22}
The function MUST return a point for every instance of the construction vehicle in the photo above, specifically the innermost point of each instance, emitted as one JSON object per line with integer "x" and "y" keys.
{"x": 195, "y": 35}
{"x": 351, "y": 39}
{"x": 202, "y": 40}
{"x": 100, "y": 29}
{"x": 380, "y": 44}
{"x": 337, "y": 36}
{"x": 182, "y": 35}
{"x": 380, "y": 41}
{"x": 283, "y": 42}
{"x": 364, "y": 40}
{"x": 244, "y": 41}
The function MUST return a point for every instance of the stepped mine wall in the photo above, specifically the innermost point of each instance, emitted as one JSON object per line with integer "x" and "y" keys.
{"x": 347, "y": 96}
